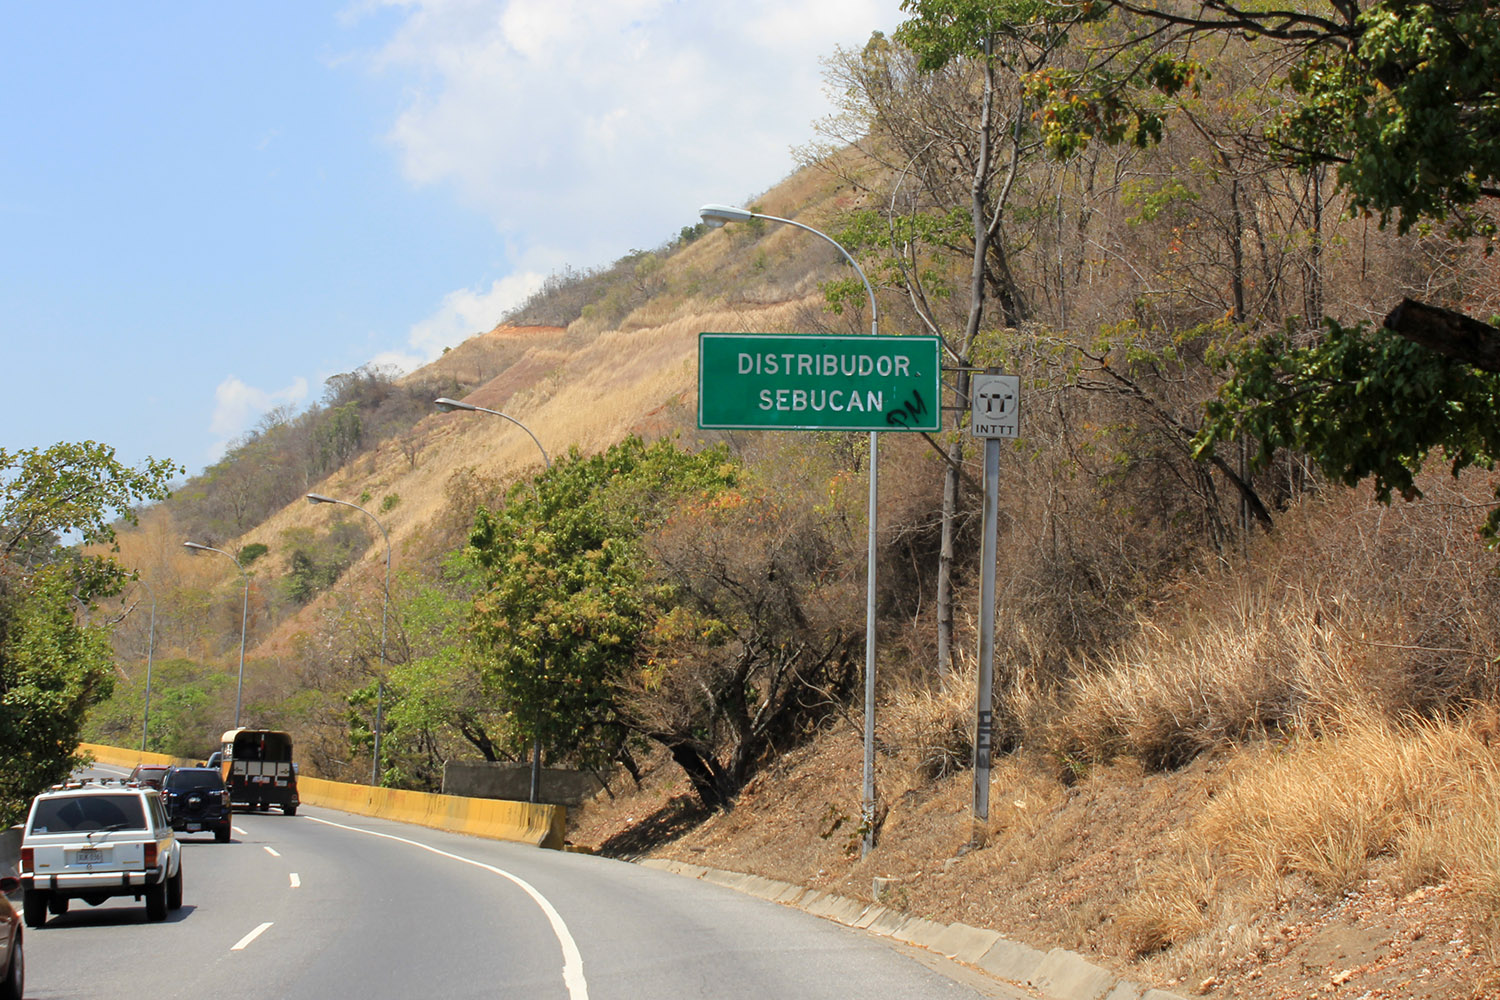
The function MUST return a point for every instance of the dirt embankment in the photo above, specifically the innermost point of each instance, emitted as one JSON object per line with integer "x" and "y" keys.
{"x": 1062, "y": 867}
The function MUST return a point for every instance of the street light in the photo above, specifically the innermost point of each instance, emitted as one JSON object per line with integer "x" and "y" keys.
{"x": 239, "y": 690}
{"x": 150, "y": 651}
{"x": 716, "y": 216}
{"x": 447, "y": 405}
{"x": 317, "y": 498}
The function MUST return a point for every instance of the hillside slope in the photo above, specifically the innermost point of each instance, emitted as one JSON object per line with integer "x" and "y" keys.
{"x": 1236, "y": 761}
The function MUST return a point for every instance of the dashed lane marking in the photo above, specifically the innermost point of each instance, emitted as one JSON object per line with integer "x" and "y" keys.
{"x": 244, "y": 942}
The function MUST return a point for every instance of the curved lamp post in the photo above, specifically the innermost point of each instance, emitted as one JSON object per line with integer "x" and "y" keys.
{"x": 150, "y": 652}
{"x": 716, "y": 216}
{"x": 317, "y": 498}
{"x": 446, "y": 405}
{"x": 239, "y": 690}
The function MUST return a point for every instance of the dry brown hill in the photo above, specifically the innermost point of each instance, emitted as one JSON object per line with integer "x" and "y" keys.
{"x": 1242, "y": 765}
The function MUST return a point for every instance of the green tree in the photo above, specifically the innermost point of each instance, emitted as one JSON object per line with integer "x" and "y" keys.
{"x": 1362, "y": 404}
{"x": 438, "y": 702}
{"x": 53, "y": 667}
{"x": 52, "y": 670}
{"x": 563, "y": 606}
{"x": 1400, "y": 96}
{"x": 71, "y": 487}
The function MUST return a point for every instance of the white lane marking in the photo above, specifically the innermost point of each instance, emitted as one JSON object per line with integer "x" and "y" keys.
{"x": 572, "y": 958}
{"x": 270, "y": 850}
{"x": 244, "y": 942}
{"x": 242, "y": 833}
{"x": 296, "y": 881}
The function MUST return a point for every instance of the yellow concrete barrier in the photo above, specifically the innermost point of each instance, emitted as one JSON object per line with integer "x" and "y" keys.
{"x": 540, "y": 825}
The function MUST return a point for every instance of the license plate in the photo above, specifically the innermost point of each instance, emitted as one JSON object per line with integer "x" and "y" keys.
{"x": 88, "y": 856}
{"x": 194, "y": 827}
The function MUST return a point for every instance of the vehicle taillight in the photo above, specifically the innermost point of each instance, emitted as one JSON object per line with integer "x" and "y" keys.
{"x": 151, "y": 855}
{"x": 28, "y": 858}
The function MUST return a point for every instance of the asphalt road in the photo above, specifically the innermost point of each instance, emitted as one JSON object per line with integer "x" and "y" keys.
{"x": 325, "y": 905}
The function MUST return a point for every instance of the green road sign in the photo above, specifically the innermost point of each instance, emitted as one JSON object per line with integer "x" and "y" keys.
{"x": 807, "y": 382}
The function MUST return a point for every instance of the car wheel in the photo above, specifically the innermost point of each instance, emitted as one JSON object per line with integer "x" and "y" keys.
{"x": 221, "y": 834}
{"x": 15, "y": 977}
{"x": 289, "y": 810}
{"x": 34, "y": 907}
{"x": 57, "y": 905}
{"x": 156, "y": 901}
{"x": 174, "y": 890}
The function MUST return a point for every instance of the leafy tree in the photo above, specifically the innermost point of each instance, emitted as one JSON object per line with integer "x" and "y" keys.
{"x": 1400, "y": 97}
{"x": 318, "y": 560}
{"x": 751, "y": 641}
{"x": 187, "y": 709}
{"x": 52, "y": 670}
{"x": 563, "y": 606}
{"x": 438, "y": 703}
{"x": 943, "y": 108}
{"x": 52, "y": 666}
{"x": 71, "y": 487}
{"x": 1361, "y": 404}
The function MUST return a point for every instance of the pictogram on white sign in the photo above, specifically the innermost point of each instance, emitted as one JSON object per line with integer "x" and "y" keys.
{"x": 996, "y": 406}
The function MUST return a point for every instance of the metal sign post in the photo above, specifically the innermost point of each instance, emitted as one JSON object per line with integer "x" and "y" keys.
{"x": 995, "y": 414}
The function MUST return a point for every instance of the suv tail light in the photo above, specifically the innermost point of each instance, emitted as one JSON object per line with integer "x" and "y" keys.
{"x": 151, "y": 855}
{"x": 28, "y": 858}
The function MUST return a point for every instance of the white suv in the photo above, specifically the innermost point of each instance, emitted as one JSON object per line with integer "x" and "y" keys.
{"x": 91, "y": 840}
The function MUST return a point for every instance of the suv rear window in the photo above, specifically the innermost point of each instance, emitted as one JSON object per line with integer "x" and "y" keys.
{"x": 82, "y": 813}
{"x": 197, "y": 778}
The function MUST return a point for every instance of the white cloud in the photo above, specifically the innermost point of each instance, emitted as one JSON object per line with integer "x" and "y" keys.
{"x": 238, "y": 406}
{"x": 462, "y": 314}
{"x": 589, "y": 127}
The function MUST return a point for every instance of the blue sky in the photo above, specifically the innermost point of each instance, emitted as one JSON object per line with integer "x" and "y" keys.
{"x": 209, "y": 208}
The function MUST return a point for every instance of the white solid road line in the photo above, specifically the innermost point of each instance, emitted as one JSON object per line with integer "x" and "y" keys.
{"x": 572, "y": 957}
{"x": 244, "y": 942}
{"x": 271, "y": 850}
{"x": 296, "y": 881}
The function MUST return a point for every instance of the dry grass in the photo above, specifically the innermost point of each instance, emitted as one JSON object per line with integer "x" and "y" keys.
{"x": 1417, "y": 803}
{"x": 1351, "y": 609}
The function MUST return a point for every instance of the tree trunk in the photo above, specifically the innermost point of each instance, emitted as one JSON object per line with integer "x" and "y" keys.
{"x": 951, "y": 485}
{"x": 704, "y": 774}
{"x": 1451, "y": 334}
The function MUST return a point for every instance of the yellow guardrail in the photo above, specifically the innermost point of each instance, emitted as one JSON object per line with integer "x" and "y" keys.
{"x": 524, "y": 822}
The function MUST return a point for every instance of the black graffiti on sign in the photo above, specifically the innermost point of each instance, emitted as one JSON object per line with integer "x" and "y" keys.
{"x": 982, "y": 738}
{"x": 908, "y": 413}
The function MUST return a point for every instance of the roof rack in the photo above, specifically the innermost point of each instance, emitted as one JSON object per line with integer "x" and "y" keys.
{"x": 101, "y": 781}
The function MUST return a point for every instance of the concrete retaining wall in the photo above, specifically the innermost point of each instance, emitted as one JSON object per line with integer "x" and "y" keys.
{"x": 482, "y": 779}
{"x": 539, "y": 825}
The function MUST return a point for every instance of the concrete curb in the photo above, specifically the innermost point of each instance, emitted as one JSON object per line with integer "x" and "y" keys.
{"x": 1057, "y": 973}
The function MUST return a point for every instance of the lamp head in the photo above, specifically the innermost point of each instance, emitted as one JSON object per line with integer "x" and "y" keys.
{"x": 319, "y": 498}
{"x": 194, "y": 546}
{"x": 717, "y": 215}
{"x": 448, "y": 405}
